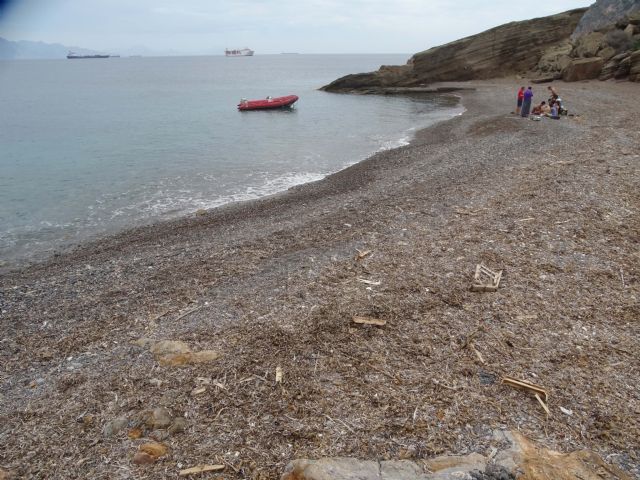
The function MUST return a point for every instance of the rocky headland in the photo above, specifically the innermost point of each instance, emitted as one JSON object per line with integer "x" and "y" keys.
{"x": 580, "y": 44}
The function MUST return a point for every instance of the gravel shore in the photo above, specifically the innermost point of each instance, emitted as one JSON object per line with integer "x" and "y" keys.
{"x": 274, "y": 284}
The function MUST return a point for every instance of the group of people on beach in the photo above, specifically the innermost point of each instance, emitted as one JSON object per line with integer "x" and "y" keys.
{"x": 552, "y": 109}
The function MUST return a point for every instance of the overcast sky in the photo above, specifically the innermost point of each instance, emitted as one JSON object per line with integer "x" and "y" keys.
{"x": 267, "y": 26}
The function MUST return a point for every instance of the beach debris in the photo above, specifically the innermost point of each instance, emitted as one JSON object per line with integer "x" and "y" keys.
{"x": 158, "y": 418}
{"x": 362, "y": 254}
{"x": 566, "y": 411}
{"x": 485, "y": 280}
{"x": 201, "y": 211}
{"x": 279, "y": 374}
{"x": 165, "y": 347}
{"x": 200, "y": 469}
{"x": 6, "y": 475}
{"x": 135, "y": 433}
{"x": 539, "y": 393}
{"x": 198, "y": 391}
{"x": 369, "y": 321}
{"x": 369, "y": 282}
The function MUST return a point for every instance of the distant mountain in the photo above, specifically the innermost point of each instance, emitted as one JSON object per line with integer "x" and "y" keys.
{"x": 34, "y": 50}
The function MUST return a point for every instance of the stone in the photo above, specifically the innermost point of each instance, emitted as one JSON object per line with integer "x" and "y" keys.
{"x": 589, "y": 45}
{"x": 631, "y": 30}
{"x": 332, "y": 469}
{"x": 401, "y": 470}
{"x": 178, "y": 425}
{"x": 452, "y": 464}
{"x": 142, "y": 458}
{"x": 623, "y": 69}
{"x": 634, "y": 70}
{"x": 114, "y": 427}
{"x": 160, "y": 418}
{"x": 154, "y": 449}
{"x": 555, "y": 58}
{"x": 583, "y": 69}
{"x": 170, "y": 347}
{"x": 607, "y": 53}
{"x": 205, "y": 356}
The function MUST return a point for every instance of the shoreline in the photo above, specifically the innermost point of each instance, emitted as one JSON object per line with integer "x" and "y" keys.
{"x": 274, "y": 283}
{"x": 15, "y": 264}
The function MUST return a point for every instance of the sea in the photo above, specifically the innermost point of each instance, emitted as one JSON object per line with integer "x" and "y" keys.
{"x": 91, "y": 147}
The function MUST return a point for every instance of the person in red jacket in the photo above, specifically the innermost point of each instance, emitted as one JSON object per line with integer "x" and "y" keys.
{"x": 520, "y": 100}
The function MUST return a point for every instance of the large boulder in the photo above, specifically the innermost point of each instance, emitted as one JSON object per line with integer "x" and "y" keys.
{"x": 589, "y": 45}
{"x": 618, "y": 66}
{"x": 583, "y": 69}
{"x": 502, "y": 51}
{"x": 634, "y": 70}
{"x": 555, "y": 59}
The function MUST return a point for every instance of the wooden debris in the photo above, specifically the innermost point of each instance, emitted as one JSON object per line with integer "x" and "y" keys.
{"x": 198, "y": 391}
{"x": 200, "y": 469}
{"x": 369, "y": 282}
{"x": 362, "y": 254}
{"x": 535, "y": 389}
{"x": 544, "y": 405}
{"x": 539, "y": 392}
{"x": 369, "y": 321}
{"x": 279, "y": 374}
{"x": 485, "y": 280}
{"x": 478, "y": 354}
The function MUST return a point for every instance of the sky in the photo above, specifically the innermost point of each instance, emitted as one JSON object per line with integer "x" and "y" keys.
{"x": 267, "y": 26}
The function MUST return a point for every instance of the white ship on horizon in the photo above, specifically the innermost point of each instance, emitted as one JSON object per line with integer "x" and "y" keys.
{"x": 243, "y": 52}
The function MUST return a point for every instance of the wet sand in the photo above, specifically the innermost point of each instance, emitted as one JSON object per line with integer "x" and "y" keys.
{"x": 276, "y": 282}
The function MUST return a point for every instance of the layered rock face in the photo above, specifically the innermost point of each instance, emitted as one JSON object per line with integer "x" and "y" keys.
{"x": 604, "y": 13}
{"x": 508, "y": 49}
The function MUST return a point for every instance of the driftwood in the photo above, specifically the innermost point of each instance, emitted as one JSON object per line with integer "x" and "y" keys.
{"x": 201, "y": 469}
{"x": 369, "y": 321}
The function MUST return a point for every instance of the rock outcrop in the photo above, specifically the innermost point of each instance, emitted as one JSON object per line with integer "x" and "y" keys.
{"x": 517, "y": 458}
{"x": 508, "y": 49}
{"x": 604, "y": 13}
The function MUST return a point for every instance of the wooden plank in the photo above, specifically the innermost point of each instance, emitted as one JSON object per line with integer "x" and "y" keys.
{"x": 369, "y": 321}
{"x": 201, "y": 469}
{"x": 535, "y": 389}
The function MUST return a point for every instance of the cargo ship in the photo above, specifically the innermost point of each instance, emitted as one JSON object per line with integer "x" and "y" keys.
{"x": 243, "y": 52}
{"x": 72, "y": 55}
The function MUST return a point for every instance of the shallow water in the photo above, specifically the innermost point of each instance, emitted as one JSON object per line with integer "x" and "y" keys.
{"x": 89, "y": 147}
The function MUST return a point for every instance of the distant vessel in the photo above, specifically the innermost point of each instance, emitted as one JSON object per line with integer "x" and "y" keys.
{"x": 244, "y": 52}
{"x": 72, "y": 55}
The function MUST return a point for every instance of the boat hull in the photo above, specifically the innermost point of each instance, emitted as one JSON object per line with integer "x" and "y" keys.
{"x": 268, "y": 104}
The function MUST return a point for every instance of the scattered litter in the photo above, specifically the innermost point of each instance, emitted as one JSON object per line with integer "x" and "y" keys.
{"x": 200, "y": 469}
{"x": 198, "y": 391}
{"x": 485, "y": 280}
{"x": 566, "y": 411}
{"x": 362, "y": 254}
{"x": 369, "y": 282}
{"x": 369, "y": 321}
{"x": 279, "y": 374}
{"x": 539, "y": 392}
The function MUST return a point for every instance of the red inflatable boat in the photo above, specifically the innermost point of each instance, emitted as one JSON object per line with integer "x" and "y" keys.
{"x": 268, "y": 103}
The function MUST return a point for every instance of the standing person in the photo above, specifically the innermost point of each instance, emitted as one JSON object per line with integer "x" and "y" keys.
{"x": 553, "y": 94}
{"x": 520, "y": 98}
{"x": 526, "y": 102}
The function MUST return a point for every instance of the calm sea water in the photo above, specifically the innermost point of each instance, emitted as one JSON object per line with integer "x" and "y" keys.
{"x": 89, "y": 147}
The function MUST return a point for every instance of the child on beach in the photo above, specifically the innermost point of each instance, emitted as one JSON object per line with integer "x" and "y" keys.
{"x": 520, "y": 99}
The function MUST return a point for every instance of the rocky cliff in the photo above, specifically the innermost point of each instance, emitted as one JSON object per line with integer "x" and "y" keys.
{"x": 604, "y": 13}
{"x": 508, "y": 49}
